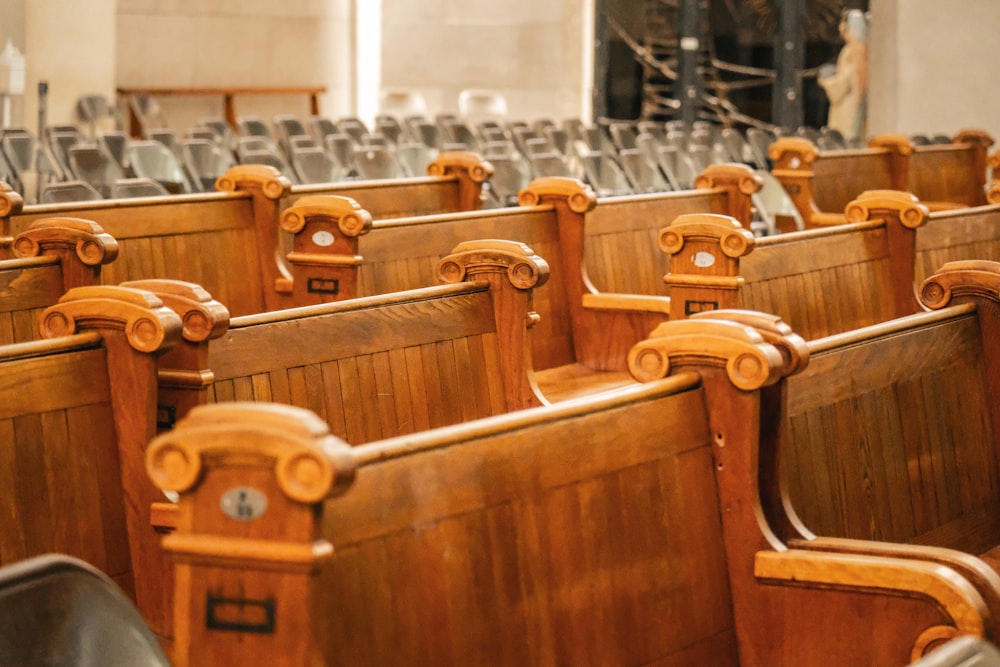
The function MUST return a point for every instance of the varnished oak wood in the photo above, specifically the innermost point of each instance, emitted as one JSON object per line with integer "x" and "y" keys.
{"x": 535, "y": 537}
{"x": 822, "y": 183}
{"x": 78, "y": 409}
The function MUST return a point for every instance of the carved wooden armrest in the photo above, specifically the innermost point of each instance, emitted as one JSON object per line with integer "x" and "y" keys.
{"x": 947, "y": 589}
{"x": 627, "y": 302}
{"x": 982, "y": 576}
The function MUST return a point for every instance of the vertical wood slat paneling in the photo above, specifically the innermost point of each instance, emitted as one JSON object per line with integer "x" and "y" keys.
{"x": 913, "y": 451}
{"x": 505, "y": 581}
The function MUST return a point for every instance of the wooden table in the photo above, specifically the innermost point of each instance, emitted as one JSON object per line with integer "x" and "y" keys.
{"x": 227, "y": 94}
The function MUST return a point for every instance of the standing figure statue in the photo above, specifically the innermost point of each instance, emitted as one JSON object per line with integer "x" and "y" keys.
{"x": 847, "y": 85}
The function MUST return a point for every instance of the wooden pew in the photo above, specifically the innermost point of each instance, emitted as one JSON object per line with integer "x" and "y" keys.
{"x": 824, "y": 281}
{"x": 230, "y": 242}
{"x": 53, "y": 256}
{"x": 77, "y": 410}
{"x": 822, "y": 183}
{"x": 768, "y": 548}
{"x": 554, "y": 219}
{"x": 886, "y": 442}
{"x": 375, "y": 366}
{"x": 589, "y": 532}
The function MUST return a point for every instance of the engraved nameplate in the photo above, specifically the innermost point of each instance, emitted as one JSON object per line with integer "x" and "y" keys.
{"x": 243, "y": 503}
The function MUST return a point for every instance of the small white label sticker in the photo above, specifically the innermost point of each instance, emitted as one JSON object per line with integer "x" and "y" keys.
{"x": 323, "y": 239}
{"x": 704, "y": 259}
{"x": 243, "y": 503}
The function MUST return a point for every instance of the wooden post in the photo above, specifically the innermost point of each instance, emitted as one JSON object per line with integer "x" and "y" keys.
{"x": 705, "y": 251}
{"x": 248, "y": 502}
{"x": 135, "y": 327}
{"x": 324, "y": 257}
{"x": 512, "y": 271}
{"x": 81, "y": 245}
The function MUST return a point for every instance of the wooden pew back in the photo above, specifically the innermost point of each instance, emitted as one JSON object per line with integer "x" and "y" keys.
{"x": 381, "y": 366}
{"x": 891, "y": 431}
{"x": 825, "y": 281}
{"x": 823, "y": 183}
{"x": 528, "y": 538}
{"x": 77, "y": 412}
{"x": 230, "y": 242}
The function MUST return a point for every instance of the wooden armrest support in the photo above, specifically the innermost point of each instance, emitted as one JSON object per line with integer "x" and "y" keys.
{"x": 163, "y": 516}
{"x": 978, "y": 573}
{"x": 627, "y": 302}
{"x": 952, "y": 593}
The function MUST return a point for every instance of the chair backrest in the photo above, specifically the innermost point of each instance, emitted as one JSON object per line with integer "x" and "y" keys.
{"x": 93, "y": 109}
{"x": 510, "y": 176}
{"x": 375, "y": 162}
{"x": 151, "y": 159}
{"x": 401, "y": 103}
{"x": 95, "y": 167}
{"x": 288, "y": 126}
{"x": 64, "y": 191}
{"x": 312, "y": 164}
{"x": 147, "y": 109}
{"x": 604, "y": 174}
{"x": 59, "y": 611}
{"x": 115, "y": 143}
{"x": 643, "y": 175}
{"x": 223, "y": 132}
{"x": 205, "y": 162}
{"x": 124, "y": 188}
{"x": 414, "y": 157}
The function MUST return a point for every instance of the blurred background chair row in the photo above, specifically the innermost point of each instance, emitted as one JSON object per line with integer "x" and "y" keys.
{"x": 98, "y": 159}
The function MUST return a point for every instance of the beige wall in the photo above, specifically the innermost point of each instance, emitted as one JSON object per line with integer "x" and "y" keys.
{"x": 931, "y": 64}
{"x": 531, "y": 51}
{"x": 67, "y": 43}
{"x": 199, "y": 43}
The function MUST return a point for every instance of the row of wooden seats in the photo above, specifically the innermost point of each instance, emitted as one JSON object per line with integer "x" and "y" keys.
{"x": 231, "y": 241}
{"x": 822, "y": 183}
{"x": 536, "y": 537}
{"x": 188, "y": 318}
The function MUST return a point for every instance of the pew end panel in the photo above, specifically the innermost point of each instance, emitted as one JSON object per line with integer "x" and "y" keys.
{"x": 184, "y": 375}
{"x": 78, "y": 412}
{"x": 11, "y": 203}
{"x": 324, "y": 256}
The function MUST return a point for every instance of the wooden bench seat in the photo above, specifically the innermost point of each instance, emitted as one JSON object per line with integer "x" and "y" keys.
{"x": 822, "y": 183}
{"x": 230, "y": 242}
{"x": 883, "y": 442}
{"x": 825, "y": 281}
{"x": 588, "y": 532}
{"x": 78, "y": 408}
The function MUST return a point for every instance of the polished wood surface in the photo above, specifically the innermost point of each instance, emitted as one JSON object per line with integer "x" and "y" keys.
{"x": 53, "y": 256}
{"x": 823, "y": 183}
{"x": 77, "y": 412}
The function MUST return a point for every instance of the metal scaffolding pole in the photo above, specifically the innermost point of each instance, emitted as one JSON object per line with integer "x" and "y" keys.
{"x": 789, "y": 61}
{"x": 689, "y": 83}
